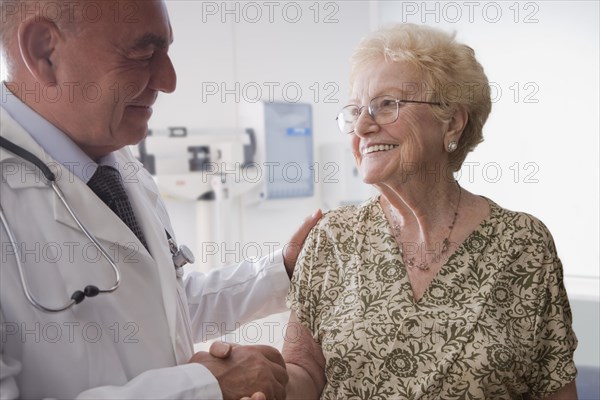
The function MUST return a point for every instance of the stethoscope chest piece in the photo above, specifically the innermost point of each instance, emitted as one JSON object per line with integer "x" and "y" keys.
{"x": 182, "y": 255}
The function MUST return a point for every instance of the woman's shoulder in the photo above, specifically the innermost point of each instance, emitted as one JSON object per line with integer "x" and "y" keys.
{"x": 519, "y": 223}
{"x": 522, "y": 242}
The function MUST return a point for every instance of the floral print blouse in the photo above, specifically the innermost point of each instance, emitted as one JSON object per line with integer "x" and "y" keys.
{"x": 493, "y": 324}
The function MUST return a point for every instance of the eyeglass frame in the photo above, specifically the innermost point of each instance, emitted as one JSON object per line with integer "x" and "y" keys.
{"x": 397, "y": 101}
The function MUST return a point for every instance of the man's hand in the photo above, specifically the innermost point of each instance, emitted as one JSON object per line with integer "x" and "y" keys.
{"x": 243, "y": 370}
{"x": 292, "y": 249}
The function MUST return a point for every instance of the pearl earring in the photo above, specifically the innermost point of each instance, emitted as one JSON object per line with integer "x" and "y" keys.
{"x": 452, "y": 146}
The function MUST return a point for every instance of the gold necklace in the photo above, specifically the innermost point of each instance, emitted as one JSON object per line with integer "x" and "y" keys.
{"x": 410, "y": 262}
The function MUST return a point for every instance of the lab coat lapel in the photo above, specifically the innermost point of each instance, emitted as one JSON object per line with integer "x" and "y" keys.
{"x": 145, "y": 201}
{"x": 104, "y": 222}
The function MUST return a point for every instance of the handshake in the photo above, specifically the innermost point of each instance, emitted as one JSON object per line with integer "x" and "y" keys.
{"x": 243, "y": 371}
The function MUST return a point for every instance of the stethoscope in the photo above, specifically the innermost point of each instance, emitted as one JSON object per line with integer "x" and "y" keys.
{"x": 181, "y": 254}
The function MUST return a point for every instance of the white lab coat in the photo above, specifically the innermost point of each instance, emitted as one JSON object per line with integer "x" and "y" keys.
{"x": 135, "y": 342}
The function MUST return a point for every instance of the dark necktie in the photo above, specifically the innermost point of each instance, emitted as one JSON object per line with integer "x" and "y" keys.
{"x": 108, "y": 186}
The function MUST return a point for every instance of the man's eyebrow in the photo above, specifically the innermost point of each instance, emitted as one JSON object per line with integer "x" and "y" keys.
{"x": 148, "y": 40}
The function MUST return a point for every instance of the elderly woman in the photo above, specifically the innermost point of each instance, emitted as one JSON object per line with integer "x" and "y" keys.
{"x": 426, "y": 291}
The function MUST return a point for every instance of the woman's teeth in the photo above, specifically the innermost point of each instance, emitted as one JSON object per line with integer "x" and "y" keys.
{"x": 379, "y": 147}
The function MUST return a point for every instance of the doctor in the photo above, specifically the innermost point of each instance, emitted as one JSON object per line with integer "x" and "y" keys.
{"x": 82, "y": 79}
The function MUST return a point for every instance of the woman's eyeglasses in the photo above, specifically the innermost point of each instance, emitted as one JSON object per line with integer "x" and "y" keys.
{"x": 382, "y": 109}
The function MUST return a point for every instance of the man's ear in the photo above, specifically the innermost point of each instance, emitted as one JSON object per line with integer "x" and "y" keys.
{"x": 38, "y": 38}
{"x": 457, "y": 125}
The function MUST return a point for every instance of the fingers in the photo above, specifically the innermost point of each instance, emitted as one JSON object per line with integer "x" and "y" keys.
{"x": 292, "y": 249}
{"x": 221, "y": 349}
{"x": 309, "y": 222}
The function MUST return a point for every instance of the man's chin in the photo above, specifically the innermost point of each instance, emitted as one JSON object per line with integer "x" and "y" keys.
{"x": 134, "y": 134}
{"x": 141, "y": 136}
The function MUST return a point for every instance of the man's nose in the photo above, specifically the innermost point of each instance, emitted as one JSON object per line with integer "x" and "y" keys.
{"x": 164, "y": 78}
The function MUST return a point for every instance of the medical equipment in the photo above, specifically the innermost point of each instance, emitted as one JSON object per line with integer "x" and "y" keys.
{"x": 181, "y": 255}
{"x": 284, "y": 151}
{"x": 202, "y": 175}
{"x": 185, "y": 161}
{"x": 212, "y": 179}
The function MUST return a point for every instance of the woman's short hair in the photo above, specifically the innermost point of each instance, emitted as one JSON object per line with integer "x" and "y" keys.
{"x": 449, "y": 71}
